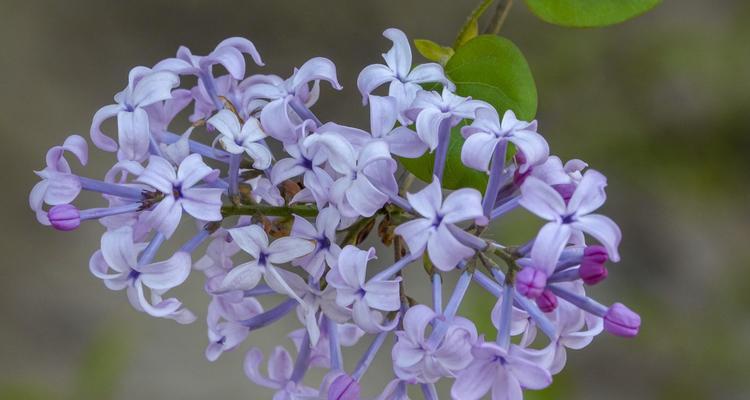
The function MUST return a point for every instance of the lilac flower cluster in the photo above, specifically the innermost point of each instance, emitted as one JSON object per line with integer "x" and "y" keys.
{"x": 291, "y": 228}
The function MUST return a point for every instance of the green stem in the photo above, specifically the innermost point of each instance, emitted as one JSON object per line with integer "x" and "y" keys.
{"x": 270, "y": 211}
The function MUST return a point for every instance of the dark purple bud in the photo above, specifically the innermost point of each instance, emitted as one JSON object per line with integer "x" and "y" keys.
{"x": 547, "y": 302}
{"x": 344, "y": 388}
{"x": 566, "y": 190}
{"x": 64, "y": 217}
{"x": 530, "y": 282}
{"x": 622, "y": 321}
{"x": 592, "y": 269}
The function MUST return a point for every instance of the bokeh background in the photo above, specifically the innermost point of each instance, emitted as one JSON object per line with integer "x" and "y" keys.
{"x": 661, "y": 104}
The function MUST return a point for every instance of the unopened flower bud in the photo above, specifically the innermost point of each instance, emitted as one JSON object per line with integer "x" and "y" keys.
{"x": 530, "y": 282}
{"x": 621, "y": 321}
{"x": 547, "y": 301}
{"x": 592, "y": 269}
{"x": 344, "y": 388}
{"x": 64, "y": 217}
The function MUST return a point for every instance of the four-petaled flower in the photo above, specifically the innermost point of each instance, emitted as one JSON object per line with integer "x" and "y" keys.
{"x": 238, "y": 139}
{"x": 404, "y": 81}
{"x": 487, "y": 132}
{"x": 365, "y": 297}
{"x": 117, "y": 265}
{"x": 432, "y": 232}
{"x": 566, "y": 219}
{"x": 178, "y": 188}
{"x": 430, "y": 110}
{"x": 145, "y": 87}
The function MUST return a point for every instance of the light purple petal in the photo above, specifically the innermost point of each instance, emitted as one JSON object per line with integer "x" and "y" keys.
{"x": 242, "y": 277}
{"x": 244, "y": 46}
{"x": 532, "y": 145}
{"x": 398, "y": 57}
{"x": 203, "y": 203}
{"x": 445, "y": 251}
{"x": 371, "y": 77}
{"x": 429, "y": 72}
{"x": 133, "y": 134}
{"x": 462, "y": 205}
{"x": 604, "y": 230}
{"x": 315, "y": 69}
{"x": 475, "y": 381}
{"x": 153, "y": 87}
{"x": 166, "y": 216}
{"x": 280, "y": 365}
{"x": 415, "y": 233}
{"x": 365, "y": 198}
{"x": 286, "y": 168}
{"x": 166, "y": 274}
{"x": 288, "y": 248}
{"x": 252, "y": 239}
{"x": 118, "y": 249}
{"x": 548, "y": 246}
{"x": 428, "y": 125}
{"x": 192, "y": 170}
{"x": 383, "y": 115}
{"x": 227, "y": 123}
{"x": 589, "y": 194}
{"x": 159, "y": 174}
{"x": 541, "y": 199}
{"x": 252, "y": 369}
{"x": 478, "y": 149}
{"x": 427, "y": 202}
{"x": 404, "y": 142}
{"x": 383, "y": 295}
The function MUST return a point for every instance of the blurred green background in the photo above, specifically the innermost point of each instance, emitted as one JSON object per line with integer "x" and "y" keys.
{"x": 660, "y": 104}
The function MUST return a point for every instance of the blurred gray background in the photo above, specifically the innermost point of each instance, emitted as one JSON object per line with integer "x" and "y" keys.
{"x": 660, "y": 104}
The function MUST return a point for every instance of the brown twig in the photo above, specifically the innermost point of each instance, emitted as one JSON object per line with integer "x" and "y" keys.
{"x": 498, "y": 18}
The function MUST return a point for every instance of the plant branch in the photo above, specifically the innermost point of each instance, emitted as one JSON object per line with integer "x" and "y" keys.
{"x": 270, "y": 211}
{"x": 498, "y": 18}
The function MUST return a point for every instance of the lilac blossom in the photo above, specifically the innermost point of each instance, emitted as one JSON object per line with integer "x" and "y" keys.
{"x": 430, "y": 109}
{"x": 487, "y": 132}
{"x": 145, "y": 87}
{"x": 417, "y": 358}
{"x": 365, "y": 298}
{"x": 254, "y": 241}
{"x": 323, "y": 233}
{"x": 398, "y": 73}
{"x": 293, "y": 228}
{"x": 180, "y": 193}
{"x": 431, "y": 232}
{"x": 58, "y": 185}
{"x": 280, "y": 369}
{"x": 367, "y": 180}
{"x": 118, "y": 266}
{"x": 500, "y": 371}
{"x": 565, "y": 219}
{"x": 242, "y": 138}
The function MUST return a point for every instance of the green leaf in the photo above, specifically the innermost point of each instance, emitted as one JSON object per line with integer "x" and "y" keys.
{"x": 456, "y": 175}
{"x": 433, "y": 51}
{"x": 488, "y": 68}
{"x": 493, "y": 69}
{"x": 471, "y": 27}
{"x": 589, "y": 13}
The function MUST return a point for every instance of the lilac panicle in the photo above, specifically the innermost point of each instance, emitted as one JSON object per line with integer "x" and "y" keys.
{"x": 292, "y": 226}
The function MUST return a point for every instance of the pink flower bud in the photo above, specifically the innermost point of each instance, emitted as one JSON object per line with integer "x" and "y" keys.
{"x": 530, "y": 282}
{"x": 547, "y": 302}
{"x": 592, "y": 268}
{"x": 621, "y": 321}
{"x": 64, "y": 217}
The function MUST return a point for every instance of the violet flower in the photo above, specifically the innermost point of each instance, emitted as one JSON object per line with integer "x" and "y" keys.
{"x": 415, "y": 358}
{"x": 118, "y": 266}
{"x": 544, "y": 201}
{"x": 238, "y": 139}
{"x": 432, "y": 232}
{"x": 487, "y": 132}
{"x": 145, "y": 87}
{"x": 180, "y": 192}
{"x": 365, "y": 298}
{"x": 397, "y": 71}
